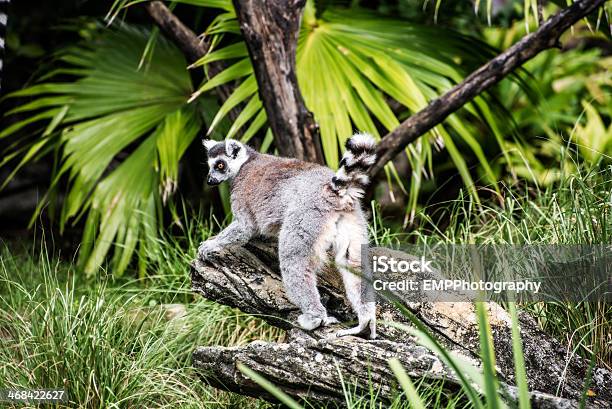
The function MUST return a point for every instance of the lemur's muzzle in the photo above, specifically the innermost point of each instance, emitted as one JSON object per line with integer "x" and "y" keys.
{"x": 213, "y": 181}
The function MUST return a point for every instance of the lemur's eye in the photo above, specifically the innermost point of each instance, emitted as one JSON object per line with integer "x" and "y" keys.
{"x": 220, "y": 166}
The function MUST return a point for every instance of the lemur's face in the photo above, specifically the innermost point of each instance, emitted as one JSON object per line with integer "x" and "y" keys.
{"x": 224, "y": 159}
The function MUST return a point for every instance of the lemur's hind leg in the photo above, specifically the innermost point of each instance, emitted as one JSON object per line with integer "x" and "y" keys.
{"x": 351, "y": 235}
{"x": 300, "y": 261}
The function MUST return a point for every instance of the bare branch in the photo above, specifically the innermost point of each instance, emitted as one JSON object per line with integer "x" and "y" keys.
{"x": 547, "y": 36}
{"x": 191, "y": 46}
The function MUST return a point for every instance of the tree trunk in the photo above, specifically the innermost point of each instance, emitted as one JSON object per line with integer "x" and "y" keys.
{"x": 312, "y": 365}
{"x": 270, "y": 29}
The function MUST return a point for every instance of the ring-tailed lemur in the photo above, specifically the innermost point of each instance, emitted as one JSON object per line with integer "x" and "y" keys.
{"x": 310, "y": 209}
{"x": 3, "y": 20}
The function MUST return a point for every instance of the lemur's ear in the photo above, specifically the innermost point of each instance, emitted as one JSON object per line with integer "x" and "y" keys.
{"x": 232, "y": 148}
{"x": 208, "y": 143}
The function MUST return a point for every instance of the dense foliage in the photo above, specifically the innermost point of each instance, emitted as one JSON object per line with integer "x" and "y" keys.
{"x": 119, "y": 110}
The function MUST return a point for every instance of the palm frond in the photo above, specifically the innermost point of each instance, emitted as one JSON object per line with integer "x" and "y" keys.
{"x": 112, "y": 109}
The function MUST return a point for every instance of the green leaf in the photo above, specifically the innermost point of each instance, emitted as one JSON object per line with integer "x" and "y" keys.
{"x": 240, "y": 94}
{"x": 487, "y": 355}
{"x": 519, "y": 360}
{"x": 255, "y": 126}
{"x": 270, "y": 387}
{"x": 249, "y": 111}
{"x": 409, "y": 389}
{"x": 219, "y": 4}
{"x": 236, "y": 50}
{"x": 465, "y": 372}
{"x": 173, "y": 137}
{"x": 120, "y": 130}
{"x": 238, "y": 70}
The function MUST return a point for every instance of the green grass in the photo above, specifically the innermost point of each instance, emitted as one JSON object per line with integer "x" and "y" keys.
{"x": 576, "y": 210}
{"x": 110, "y": 344}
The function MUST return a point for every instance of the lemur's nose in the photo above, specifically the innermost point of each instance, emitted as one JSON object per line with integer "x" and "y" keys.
{"x": 212, "y": 181}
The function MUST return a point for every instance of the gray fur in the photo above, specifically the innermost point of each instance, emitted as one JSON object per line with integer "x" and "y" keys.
{"x": 297, "y": 202}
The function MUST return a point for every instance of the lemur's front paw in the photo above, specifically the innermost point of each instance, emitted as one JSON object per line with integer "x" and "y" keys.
{"x": 329, "y": 320}
{"x": 207, "y": 248}
{"x": 309, "y": 321}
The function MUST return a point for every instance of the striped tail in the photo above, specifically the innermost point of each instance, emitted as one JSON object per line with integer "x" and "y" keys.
{"x": 351, "y": 178}
{"x": 3, "y": 20}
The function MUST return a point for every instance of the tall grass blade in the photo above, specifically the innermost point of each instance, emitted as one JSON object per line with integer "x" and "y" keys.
{"x": 409, "y": 389}
{"x": 519, "y": 360}
{"x": 487, "y": 355}
{"x": 270, "y": 387}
